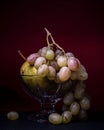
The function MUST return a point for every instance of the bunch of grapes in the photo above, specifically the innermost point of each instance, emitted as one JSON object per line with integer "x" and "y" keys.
{"x": 54, "y": 63}
{"x": 61, "y": 67}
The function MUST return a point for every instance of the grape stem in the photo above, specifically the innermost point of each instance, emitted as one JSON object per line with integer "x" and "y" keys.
{"x": 20, "y": 53}
{"x": 53, "y": 41}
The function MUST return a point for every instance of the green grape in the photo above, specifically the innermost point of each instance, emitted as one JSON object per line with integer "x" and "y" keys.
{"x": 82, "y": 74}
{"x": 49, "y": 54}
{"x": 66, "y": 117}
{"x": 43, "y": 70}
{"x": 79, "y": 91}
{"x": 75, "y": 108}
{"x": 64, "y": 74}
{"x": 68, "y": 98}
{"x": 39, "y": 61}
{"x": 85, "y": 103}
{"x": 12, "y": 115}
{"x": 62, "y": 61}
{"x": 55, "y": 118}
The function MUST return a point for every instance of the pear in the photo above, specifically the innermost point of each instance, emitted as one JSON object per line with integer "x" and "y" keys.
{"x": 29, "y": 74}
{"x": 31, "y": 78}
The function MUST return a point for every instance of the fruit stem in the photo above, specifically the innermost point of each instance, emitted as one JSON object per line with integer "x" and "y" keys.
{"x": 20, "y": 53}
{"x": 53, "y": 41}
{"x": 48, "y": 34}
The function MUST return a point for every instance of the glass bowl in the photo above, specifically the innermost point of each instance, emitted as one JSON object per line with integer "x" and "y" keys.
{"x": 47, "y": 92}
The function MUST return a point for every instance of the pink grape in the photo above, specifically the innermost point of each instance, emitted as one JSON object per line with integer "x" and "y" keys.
{"x": 32, "y": 57}
{"x": 54, "y": 64}
{"x": 43, "y": 51}
{"x": 64, "y": 74}
{"x": 73, "y": 63}
{"x": 69, "y": 54}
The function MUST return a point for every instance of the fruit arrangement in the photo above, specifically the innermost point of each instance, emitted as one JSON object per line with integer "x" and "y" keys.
{"x": 52, "y": 65}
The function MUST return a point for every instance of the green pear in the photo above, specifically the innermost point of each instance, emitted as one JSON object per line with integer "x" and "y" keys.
{"x": 30, "y": 77}
{"x": 29, "y": 74}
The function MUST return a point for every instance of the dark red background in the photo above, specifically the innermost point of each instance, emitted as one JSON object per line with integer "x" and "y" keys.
{"x": 77, "y": 26}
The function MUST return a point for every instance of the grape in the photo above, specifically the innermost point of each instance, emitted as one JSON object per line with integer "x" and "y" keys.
{"x": 83, "y": 115}
{"x": 66, "y": 117}
{"x": 55, "y": 118}
{"x": 79, "y": 91}
{"x": 12, "y": 115}
{"x": 54, "y": 64}
{"x": 43, "y": 51}
{"x": 39, "y": 61}
{"x": 51, "y": 73}
{"x": 82, "y": 74}
{"x": 69, "y": 54}
{"x": 62, "y": 61}
{"x": 58, "y": 53}
{"x": 66, "y": 86}
{"x": 74, "y": 75}
{"x": 68, "y": 98}
{"x": 73, "y": 63}
{"x": 49, "y": 54}
{"x": 75, "y": 108}
{"x": 57, "y": 80}
{"x": 64, "y": 74}
{"x": 43, "y": 70}
{"x": 32, "y": 57}
{"x": 85, "y": 103}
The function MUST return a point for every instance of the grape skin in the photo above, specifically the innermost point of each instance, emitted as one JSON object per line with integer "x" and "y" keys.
{"x": 51, "y": 73}
{"x": 62, "y": 61}
{"x": 49, "y": 54}
{"x": 73, "y": 63}
{"x": 64, "y": 74}
{"x": 75, "y": 108}
{"x": 43, "y": 70}
{"x": 85, "y": 103}
{"x": 66, "y": 117}
{"x": 68, "y": 98}
{"x": 39, "y": 61}
{"x": 32, "y": 57}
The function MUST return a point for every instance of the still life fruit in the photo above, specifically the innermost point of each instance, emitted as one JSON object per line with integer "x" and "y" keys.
{"x": 51, "y": 75}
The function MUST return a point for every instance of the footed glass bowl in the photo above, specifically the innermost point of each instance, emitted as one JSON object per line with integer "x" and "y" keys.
{"x": 46, "y": 91}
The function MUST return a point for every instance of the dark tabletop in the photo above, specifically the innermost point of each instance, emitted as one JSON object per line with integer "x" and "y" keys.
{"x": 94, "y": 122}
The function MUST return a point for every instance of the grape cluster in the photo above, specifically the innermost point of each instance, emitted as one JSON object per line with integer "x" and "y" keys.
{"x": 53, "y": 63}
